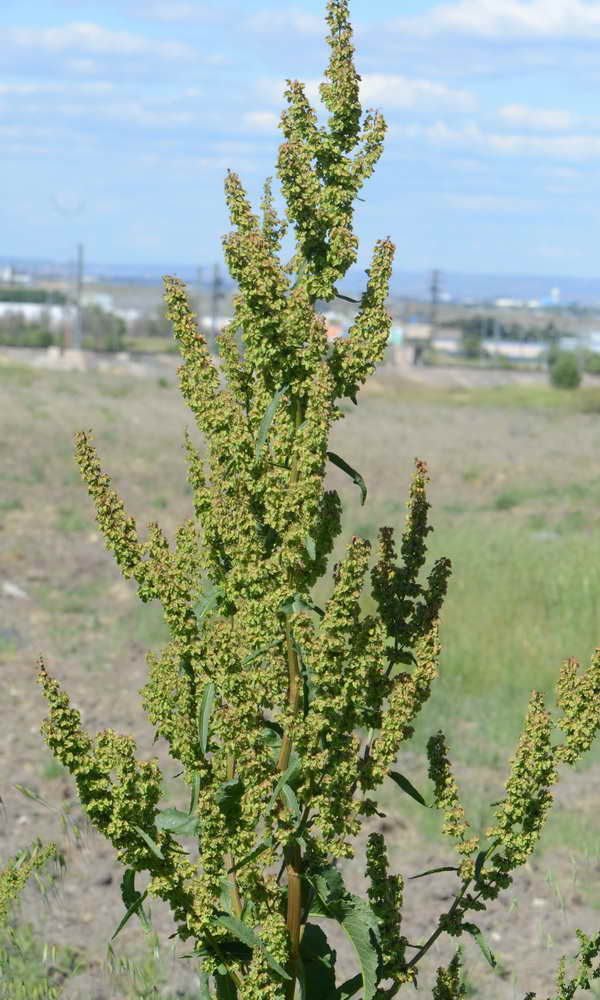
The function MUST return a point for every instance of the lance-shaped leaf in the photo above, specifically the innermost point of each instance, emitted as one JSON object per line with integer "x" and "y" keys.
{"x": 132, "y": 900}
{"x": 285, "y": 778}
{"x": 261, "y": 652}
{"x": 434, "y": 871}
{"x": 204, "y": 712}
{"x": 242, "y": 932}
{"x": 253, "y": 854}
{"x": 266, "y": 421}
{"x": 354, "y": 475}
{"x": 310, "y": 546}
{"x": 151, "y": 843}
{"x": 407, "y": 787}
{"x": 195, "y": 793}
{"x": 475, "y": 932}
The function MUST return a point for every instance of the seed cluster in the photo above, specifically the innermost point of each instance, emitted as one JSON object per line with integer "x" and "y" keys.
{"x": 284, "y": 716}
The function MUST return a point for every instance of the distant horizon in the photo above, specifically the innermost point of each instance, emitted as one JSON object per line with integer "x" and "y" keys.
{"x": 499, "y": 284}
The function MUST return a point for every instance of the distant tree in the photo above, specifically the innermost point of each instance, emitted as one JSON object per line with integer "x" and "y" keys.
{"x": 39, "y": 295}
{"x": 16, "y": 332}
{"x": 102, "y": 331}
{"x": 564, "y": 371}
{"x": 152, "y": 324}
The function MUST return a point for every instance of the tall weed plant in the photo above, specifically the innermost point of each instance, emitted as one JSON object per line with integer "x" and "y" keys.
{"x": 286, "y": 717}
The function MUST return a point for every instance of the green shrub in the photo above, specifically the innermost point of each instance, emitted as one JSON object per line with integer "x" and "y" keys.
{"x": 592, "y": 363}
{"x": 564, "y": 371}
{"x": 16, "y": 333}
{"x": 285, "y": 718}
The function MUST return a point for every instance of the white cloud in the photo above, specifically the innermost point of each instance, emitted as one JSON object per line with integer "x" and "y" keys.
{"x": 392, "y": 91}
{"x": 492, "y": 203}
{"x": 385, "y": 90}
{"x": 261, "y": 121}
{"x": 573, "y": 147}
{"x": 88, "y": 38}
{"x": 538, "y": 119}
{"x": 502, "y": 19}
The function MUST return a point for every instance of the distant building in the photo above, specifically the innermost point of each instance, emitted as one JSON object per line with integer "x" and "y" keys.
{"x": 514, "y": 350}
{"x": 9, "y": 276}
{"x": 509, "y": 303}
{"x": 35, "y": 312}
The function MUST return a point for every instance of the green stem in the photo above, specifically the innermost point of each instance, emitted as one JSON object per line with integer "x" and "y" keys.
{"x": 236, "y": 900}
{"x": 293, "y": 858}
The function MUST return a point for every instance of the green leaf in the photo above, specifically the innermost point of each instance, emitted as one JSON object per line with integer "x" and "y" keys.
{"x": 479, "y": 862}
{"x": 266, "y": 422}
{"x": 132, "y": 901}
{"x": 151, "y": 844}
{"x": 195, "y": 792}
{"x": 204, "y": 712}
{"x": 357, "y": 920}
{"x": 354, "y": 475}
{"x": 176, "y": 821}
{"x": 348, "y": 989}
{"x": 329, "y": 885}
{"x": 272, "y": 732}
{"x": 311, "y": 548}
{"x": 228, "y": 794}
{"x": 284, "y": 778}
{"x": 361, "y": 926}
{"x": 207, "y": 602}
{"x": 308, "y": 689}
{"x": 246, "y": 935}
{"x": 317, "y": 978}
{"x": 225, "y": 987}
{"x": 408, "y": 787}
{"x": 475, "y": 932}
{"x": 296, "y": 604}
{"x": 289, "y": 797}
{"x": 253, "y": 854}
{"x": 261, "y": 652}
{"x": 433, "y": 871}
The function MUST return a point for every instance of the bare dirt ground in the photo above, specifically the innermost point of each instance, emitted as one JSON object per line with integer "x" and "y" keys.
{"x": 61, "y": 595}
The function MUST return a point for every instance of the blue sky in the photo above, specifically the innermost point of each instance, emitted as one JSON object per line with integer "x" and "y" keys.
{"x": 119, "y": 119}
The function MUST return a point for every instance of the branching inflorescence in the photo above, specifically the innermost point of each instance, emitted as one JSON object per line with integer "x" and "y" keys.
{"x": 263, "y": 697}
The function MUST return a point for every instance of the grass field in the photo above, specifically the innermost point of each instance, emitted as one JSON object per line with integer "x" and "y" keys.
{"x": 515, "y": 484}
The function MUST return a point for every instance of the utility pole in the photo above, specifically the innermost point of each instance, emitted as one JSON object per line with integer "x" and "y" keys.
{"x": 434, "y": 297}
{"x": 217, "y": 294}
{"x": 78, "y": 329}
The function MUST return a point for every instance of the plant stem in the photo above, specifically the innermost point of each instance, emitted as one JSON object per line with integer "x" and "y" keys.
{"x": 236, "y": 899}
{"x": 439, "y": 929}
{"x": 293, "y": 695}
{"x": 292, "y": 857}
